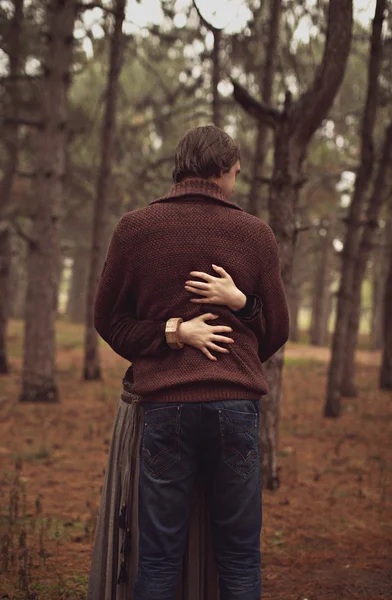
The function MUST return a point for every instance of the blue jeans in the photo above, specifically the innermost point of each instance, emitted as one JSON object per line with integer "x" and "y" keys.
{"x": 219, "y": 440}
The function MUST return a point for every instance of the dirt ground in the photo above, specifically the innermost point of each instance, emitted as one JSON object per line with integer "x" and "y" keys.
{"x": 327, "y": 532}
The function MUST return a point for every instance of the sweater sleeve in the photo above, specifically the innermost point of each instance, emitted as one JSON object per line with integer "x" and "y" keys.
{"x": 250, "y": 310}
{"x": 271, "y": 322}
{"x": 115, "y": 309}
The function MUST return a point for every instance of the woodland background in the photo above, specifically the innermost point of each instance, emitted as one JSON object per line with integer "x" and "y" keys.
{"x": 92, "y": 104}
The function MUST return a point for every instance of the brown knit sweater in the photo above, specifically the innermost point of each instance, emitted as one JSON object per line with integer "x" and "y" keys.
{"x": 151, "y": 254}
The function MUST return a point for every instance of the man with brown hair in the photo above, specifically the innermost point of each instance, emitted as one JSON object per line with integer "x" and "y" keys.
{"x": 160, "y": 287}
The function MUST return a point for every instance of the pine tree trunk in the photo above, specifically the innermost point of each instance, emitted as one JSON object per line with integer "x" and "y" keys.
{"x": 216, "y": 78}
{"x": 386, "y": 361}
{"x": 11, "y": 142}
{"x": 321, "y": 293}
{"x": 366, "y": 244}
{"x": 39, "y": 380}
{"x": 327, "y": 317}
{"x": 379, "y": 277}
{"x": 351, "y": 244}
{"x": 17, "y": 277}
{"x": 266, "y": 85}
{"x": 294, "y": 306}
{"x": 76, "y": 305}
{"x": 216, "y": 73}
{"x": 321, "y": 311}
{"x": 5, "y": 261}
{"x": 92, "y": 367}
{"x": 294, "y": 127}
{"x": 283, "y": 202}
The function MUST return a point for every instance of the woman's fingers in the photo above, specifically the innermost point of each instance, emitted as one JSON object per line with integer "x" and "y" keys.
{"x": 208, "y": 354}
{"x": 208, "y": 317}
{"x": 194, "y": 290}
{"x": 202, "y": 275}
{"x": 220, "y": 270}
{"x": 197, "y": 284}
{"x": 216, "y": 348}
{"x": 221, "y": 329}
{"x": 201, "y": 301}
{"x": 223, "y": 339}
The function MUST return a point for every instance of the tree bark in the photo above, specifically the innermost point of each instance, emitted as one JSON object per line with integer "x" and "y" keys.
{"x": 39, "y": 380}
{"x": 327, "y": 317}
{"x": 216, "y": 77}
{"x": 5, "y": 261}
{"x": 92, "y": 367}
{"x": 379, "y": 276}
{"x": 76, "y": 305}
{"x": 351, "y": 243}
{"x": 349, "y": 388}
{"x": 294, "y": 306}
{"x": 294, "y": 128}
{"x": 386, "y": 361}
{"x": 266, "y": 85}
{"x": 11, "y": 143}
{"x": 17, "y": 277}
{"x": 321, "y": 293}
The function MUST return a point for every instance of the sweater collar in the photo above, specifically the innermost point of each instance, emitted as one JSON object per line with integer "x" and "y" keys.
{"x": 193, "y": 188}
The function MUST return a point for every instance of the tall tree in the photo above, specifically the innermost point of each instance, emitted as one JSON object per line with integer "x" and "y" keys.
{"x": 294, "y": 127}
{"x": 266, "y": 86}
{"x": 39, "y": 380}
{"x": 386, "y": 361}
{"x": 5, "y": 262}
{"x": 92, "y": 368}
{"x": 11, "y": 141}
{"x": 294, "y": 302}
{"x": 352, "y": 237}
{"x": 76, "y": 305}
{"x": 366, "y": 244}
{"x": 378, "y": 279}
{"x": 321, "y": 293}
{"x": 216, "y": 75}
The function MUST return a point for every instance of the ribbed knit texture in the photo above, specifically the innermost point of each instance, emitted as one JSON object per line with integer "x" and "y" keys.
{"x": 151, "y": 254}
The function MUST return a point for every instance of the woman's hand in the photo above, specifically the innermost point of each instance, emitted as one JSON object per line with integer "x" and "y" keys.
{"x": 197, "y": 333}
{"x": 216, "y": 290}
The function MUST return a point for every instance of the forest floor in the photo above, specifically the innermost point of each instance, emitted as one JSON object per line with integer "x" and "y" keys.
{"x": 327, "y": 532}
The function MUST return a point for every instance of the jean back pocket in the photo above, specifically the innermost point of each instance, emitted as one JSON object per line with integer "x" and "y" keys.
{"x": 160, "y": 442}
{"x": 240, "y": 440}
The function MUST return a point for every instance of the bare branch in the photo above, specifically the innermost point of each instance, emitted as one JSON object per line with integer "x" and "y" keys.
{"x": 26, "y": 175}
{"x": 315, "y": 103}
{"x": 302, "y": 228}
{"x": 203, "y": 20}
{"x": 267, "y": 114}
{"x": 23, "y": 235}
{"x": 264, "y": 180}
{"x": 21, "y": 121}
{"x": 18, "y": 77}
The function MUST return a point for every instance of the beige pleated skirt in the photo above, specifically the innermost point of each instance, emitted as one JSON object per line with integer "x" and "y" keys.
{"x": 115, "y": 553}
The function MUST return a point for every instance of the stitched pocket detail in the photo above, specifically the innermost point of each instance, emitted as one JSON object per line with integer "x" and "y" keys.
{"x": 161, "y": 439}
{"x": 240, "y": 441}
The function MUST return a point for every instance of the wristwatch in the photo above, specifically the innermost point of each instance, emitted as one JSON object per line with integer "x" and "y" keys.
{"x": 171, "y": 333}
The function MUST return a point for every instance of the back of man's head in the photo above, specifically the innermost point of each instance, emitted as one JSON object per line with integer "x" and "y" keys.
{"x": 204, "y": 152}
